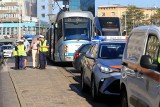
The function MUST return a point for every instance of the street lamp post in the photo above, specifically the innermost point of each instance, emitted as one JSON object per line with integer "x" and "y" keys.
{"x": 125, "y": 24}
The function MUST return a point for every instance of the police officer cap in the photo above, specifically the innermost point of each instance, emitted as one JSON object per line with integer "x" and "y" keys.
{"x": 21, "y": 40}
{"x": 41, "y": 36}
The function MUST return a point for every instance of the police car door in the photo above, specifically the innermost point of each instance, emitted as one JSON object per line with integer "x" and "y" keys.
{"x": 89, "y": 63}
{"x": 152, "y": 81}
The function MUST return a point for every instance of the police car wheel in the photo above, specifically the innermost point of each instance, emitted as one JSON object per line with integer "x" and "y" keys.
{"x": 124, "y": 102}
{"x": 83, "y": 85}
{"x": 94, "y": 91}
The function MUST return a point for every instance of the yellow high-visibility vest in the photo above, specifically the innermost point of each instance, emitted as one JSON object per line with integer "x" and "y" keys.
{"x": 44, "y": 44}
{"x": 21, "y": 51}
{"x": 15, "y": 53}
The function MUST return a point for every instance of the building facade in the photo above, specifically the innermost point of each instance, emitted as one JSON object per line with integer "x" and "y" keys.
{"x": 119, "y": 11}
{"x": 19, "y": 17}
{"x": 84, "y": 5}
{"x": 44, "y": 8}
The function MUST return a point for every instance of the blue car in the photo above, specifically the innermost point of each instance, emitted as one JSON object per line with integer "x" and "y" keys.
{"x": 101, "y": 68}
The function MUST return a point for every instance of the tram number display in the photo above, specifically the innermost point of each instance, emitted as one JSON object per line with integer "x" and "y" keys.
{"x": 74, "y": 19}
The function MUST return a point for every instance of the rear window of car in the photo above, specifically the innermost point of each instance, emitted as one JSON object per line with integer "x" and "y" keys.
{"x": 6, "y": 47}
{"x": 85, "y": 48}
{"x": 111, "y": 50}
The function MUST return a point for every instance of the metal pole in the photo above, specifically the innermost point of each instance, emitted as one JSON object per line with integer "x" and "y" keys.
{"x": 125, "y": 26}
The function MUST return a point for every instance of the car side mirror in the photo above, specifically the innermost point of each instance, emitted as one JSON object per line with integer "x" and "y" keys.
{"x": 146, "y": 62}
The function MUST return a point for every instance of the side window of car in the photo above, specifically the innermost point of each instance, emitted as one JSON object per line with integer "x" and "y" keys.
{"x": 152, "y": 48}
{"x": 135, "y": 46}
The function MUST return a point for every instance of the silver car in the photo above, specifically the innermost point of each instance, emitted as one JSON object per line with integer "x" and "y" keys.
{"x": 140, "y": 82}
{"x": 101, "y": 68}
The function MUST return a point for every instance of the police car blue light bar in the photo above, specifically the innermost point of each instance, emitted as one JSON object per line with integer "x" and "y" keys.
{"x": 105, "y": 38}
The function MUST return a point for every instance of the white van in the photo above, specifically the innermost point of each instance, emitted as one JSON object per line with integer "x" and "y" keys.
{"x": 140, "y": 82}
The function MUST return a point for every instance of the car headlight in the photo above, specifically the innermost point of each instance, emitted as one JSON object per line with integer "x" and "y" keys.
{"x": 104, "y": 69}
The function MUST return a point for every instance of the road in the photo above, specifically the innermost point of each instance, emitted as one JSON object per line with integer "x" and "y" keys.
{"x": 57, "y": 86}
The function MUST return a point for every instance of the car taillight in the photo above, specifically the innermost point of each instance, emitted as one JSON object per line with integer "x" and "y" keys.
{"x": 76, "y": 55}
{"x": 65, "y": 48}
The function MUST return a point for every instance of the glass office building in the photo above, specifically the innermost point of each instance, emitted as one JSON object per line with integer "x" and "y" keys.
{"x": 85, "y": 5}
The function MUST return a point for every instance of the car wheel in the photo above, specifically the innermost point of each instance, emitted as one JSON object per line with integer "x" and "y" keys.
{"x": 124, "y": 101}
{"x": 83, "y": 85}
{"x": 94, "y": 92}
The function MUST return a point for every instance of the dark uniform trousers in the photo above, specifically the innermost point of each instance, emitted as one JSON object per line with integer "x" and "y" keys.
{"x": 42, "y": 57}
{"x": 21, "y": 62}
{"x": 16, "y": 62}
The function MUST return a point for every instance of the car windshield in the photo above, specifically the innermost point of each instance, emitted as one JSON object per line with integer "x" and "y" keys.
{"x": 111, "y": 50}
{"x": 6, "y": 47}
{"x": 85, "y": 48}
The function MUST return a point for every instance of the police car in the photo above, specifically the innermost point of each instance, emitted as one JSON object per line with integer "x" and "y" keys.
{"x": 101, "y": 67}
{"x": 7, "y": 50}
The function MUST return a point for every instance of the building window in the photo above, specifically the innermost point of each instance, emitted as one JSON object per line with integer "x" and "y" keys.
{"x": 43, "y": 7}
{"x": 113, "y": 14}
{"x": 43, "y": 15}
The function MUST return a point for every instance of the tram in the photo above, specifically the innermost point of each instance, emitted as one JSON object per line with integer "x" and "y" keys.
{"x": 107, "y": 26}
{"x": 68, "y": 31}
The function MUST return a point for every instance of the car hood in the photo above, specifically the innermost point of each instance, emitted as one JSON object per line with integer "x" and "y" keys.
{"x": 113, "y": 63}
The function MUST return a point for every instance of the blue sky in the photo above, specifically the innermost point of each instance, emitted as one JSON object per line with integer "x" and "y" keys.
{"x": 138, "y": 3}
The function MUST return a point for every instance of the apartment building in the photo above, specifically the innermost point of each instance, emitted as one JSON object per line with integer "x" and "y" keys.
{"x": 27, "y": 17}
{"x": 119, "y": 11}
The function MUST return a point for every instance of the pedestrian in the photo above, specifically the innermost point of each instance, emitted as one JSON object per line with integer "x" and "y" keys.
{"x": 35, "y": 52}
{"x": 21, "y": 54}
{"x": 43, "y": 49}
{"x": 16, "y": 55}
{"x": 27, "y": 47}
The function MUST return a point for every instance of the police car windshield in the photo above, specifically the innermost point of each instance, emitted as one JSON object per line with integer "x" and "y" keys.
{"x": 111, "y": 50}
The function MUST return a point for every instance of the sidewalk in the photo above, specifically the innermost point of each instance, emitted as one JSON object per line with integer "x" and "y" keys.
{"x": 8, "y": 95}
{"x": 44, "y": 88}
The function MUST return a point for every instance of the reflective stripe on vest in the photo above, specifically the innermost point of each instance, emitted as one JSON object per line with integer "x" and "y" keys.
{"x": 44, "y": 44}
{"x": 21, "y": 51}
{"x": 15, "y": 53}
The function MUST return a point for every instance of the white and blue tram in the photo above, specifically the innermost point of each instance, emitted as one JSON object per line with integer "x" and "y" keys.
{"x": 68, "y": 32}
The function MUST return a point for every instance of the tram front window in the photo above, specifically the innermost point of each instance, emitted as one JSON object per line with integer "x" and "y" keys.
{"x": 77, "y": 28}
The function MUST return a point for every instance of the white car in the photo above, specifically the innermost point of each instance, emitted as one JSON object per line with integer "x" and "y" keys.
{"x": 8, "y": 50}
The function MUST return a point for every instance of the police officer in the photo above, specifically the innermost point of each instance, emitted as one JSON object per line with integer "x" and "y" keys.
{"x": 21, "y": 54}
{"x": 16, "y": 55}
{"x": 43, "y": 49}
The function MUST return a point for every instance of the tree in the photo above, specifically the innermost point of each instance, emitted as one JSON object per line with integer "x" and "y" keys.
{"x": 134, "y": 17}
{"x": 155, "y": 19}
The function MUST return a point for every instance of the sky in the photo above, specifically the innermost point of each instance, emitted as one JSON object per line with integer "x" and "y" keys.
{"x": 138, "y": 3}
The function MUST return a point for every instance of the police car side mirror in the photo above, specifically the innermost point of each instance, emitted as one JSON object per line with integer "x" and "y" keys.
{"x": 146, "y": 62}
